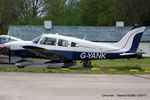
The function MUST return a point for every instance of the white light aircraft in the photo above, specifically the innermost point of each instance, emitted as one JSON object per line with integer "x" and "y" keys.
{"x": 63, "y": 51}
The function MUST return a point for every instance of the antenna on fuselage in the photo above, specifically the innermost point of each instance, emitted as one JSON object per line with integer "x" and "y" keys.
{"x": 57, "y": 34}
{"x": 84, "y": 37}
{"x": 42, "y": 34}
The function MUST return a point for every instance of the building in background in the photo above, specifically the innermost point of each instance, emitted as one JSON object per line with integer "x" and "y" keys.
{"x": 106, "y": 34}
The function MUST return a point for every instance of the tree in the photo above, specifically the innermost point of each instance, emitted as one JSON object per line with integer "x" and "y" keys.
{"x": 90, "y": 11}
{"x": 63, "y": 12}
{"x": 20, "y": 12}
{"x": 6, "y": 14}
{"x": 27, "y": 10}
{"x": 105, "y": 16}
{"x": 132, "y": 11}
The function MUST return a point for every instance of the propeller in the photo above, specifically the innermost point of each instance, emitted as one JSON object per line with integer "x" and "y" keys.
{"x": 9, "y": 50}
{"x": 9, "y": 55}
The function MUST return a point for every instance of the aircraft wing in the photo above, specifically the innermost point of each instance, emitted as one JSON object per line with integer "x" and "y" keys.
{"x": 45, "y": 53}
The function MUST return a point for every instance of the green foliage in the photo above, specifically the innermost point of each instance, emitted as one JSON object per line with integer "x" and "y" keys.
{"x": 31, "y": 21}
{"x": 121, "y": 63}
{"x": 62, "y": 13}
{"x": 105, "y": 17}
{"x": 132, "y": 11}
{"x": 73, "y": 12}
{"x": 90, "y": 11}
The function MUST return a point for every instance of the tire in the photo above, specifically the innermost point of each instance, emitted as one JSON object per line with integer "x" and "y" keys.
{"x": 21, "y": 66}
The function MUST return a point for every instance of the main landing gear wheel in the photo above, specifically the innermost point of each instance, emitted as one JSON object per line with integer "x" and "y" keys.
{"x": 21, "y": 66}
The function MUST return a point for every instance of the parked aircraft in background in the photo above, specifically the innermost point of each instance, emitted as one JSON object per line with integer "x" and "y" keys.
{"x": 63, "y": 51}
{"x": 4, "y": 39}
{"x": 7, "y": 38}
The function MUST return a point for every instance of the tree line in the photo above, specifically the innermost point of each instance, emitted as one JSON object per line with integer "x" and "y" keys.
{"x": 73, "y": 12}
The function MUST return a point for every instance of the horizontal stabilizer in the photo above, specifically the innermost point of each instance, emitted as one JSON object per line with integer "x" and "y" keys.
{"x": 129, "y": 54}
{"x": 140, "y": 53}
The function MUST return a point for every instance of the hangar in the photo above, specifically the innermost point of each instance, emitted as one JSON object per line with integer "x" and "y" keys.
{"x": 106, "y": 34}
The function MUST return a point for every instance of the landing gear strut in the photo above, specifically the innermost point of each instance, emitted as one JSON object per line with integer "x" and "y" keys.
{"x": 87, "y": 64}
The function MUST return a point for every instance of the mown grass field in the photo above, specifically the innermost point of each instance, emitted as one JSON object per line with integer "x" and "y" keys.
{"x": 118, "y": 66}
{"x": 144, "y": 63}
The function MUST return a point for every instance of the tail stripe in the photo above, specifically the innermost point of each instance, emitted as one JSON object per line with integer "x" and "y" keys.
{"x": 128, "y": 39}
{"x": 126, "y": 42}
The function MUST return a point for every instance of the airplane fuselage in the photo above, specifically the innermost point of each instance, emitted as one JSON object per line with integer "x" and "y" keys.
{"x": 58, "y": 47}
{"x": 81, "y": 50}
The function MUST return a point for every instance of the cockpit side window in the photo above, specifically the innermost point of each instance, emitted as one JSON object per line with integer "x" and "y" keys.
{"x": 48, "y": 41}
{"x": 63, "y": 43}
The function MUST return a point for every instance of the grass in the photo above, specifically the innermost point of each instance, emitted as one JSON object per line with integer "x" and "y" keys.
{"x": 83, "y": 71}
{"x": 118, "y": 66}
{"x": 124, "y": 63}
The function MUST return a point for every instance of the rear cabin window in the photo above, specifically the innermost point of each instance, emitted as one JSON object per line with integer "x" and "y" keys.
{"x": 63, "y": 43}
{"x": 73, "y": 44}
{"x": 48, "y": 41}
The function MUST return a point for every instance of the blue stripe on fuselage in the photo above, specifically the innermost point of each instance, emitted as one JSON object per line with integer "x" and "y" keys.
{"x": 24, "y": 53}
{"x": 71, "y": 55}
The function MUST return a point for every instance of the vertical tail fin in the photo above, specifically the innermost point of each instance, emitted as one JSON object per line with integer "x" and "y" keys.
{"x": 131, "y": 40}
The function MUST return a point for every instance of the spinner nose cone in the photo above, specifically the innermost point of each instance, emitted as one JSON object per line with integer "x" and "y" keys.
{"x": 3, "y": 50}
{"x": 1, "y": 47}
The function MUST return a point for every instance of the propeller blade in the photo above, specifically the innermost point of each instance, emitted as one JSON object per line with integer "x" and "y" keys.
{"x": 9, "y": 56}
{"x": 9, "y": 40}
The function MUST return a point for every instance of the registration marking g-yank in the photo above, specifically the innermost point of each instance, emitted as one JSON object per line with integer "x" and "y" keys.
{"x": 92, "y": 55}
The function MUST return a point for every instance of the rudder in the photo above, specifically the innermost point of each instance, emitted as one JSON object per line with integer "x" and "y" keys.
{"x": 131, "y": 40}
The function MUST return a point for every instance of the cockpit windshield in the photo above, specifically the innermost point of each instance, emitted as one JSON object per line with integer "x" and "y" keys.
{"x": 36, "y": 40}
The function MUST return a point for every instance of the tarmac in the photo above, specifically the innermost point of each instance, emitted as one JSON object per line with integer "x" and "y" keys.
{"x": 4, "y": 62}
{"x": 46, "y": 86}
